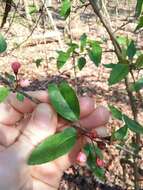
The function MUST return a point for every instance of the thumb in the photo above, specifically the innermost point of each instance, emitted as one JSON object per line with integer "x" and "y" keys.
{"x": 43, "y": 123}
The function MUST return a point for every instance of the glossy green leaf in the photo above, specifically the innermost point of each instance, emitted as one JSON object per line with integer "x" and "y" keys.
{"x": 20, "y": 97}
{"x": 138, "y": 85}
{"x": 4, "y": 92}
{"x": 119, "y": 72}
{"x": 116, "y": 113}
{"x": 81, "y": 63}
{"x": 95, "y": 53}
{"x": 65, "y": 8}
{"x": 133, "y": 125}
{"x": 53, "y": 147}
{"x": 120, "y": 134}
{"x": 139, "y": 61}
{"x": 139, "y": 7}
{"x": 110, "y": 65}
{"x": 131, "y": 50}
{"x": 3, "y": 44}
{"x": 64, "y": 100}
{"x": 62, "y": 58}
{"x": 83, "y": 40}
{"x": 140, "y": 23}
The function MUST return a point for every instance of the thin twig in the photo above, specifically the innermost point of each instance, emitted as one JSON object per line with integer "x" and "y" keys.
{"x": 6, "y": 82}
{"x": 30, "y": 32}
{"x": 34, "y": 100}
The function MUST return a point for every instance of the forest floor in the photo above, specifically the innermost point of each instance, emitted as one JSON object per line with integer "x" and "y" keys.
{"x": 91, "y": 81}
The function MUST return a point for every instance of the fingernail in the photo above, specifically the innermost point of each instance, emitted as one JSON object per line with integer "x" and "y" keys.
{"x": 102, "y": 131}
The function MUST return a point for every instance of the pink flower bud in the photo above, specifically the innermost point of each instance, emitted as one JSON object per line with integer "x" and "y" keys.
{"x": 100, "y": 162}
{"x": 15, "y": 67}
{"x": 24, "y": 83}
{"x": 81, "y": 158}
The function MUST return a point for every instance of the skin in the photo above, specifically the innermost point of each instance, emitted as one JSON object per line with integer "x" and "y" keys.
{"x": 23, "y": 125}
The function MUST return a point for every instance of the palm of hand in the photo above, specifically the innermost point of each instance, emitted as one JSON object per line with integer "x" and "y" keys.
{"x": 35, "y": 124}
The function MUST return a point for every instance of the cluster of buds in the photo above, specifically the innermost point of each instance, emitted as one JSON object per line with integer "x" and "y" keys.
{"x": 82, "y": 158}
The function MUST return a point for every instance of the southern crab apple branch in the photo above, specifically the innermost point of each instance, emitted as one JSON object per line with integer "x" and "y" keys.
{"x": 118, "y": 52}
{"x": 6, "y": 82}
{"x": 35, "y": 100}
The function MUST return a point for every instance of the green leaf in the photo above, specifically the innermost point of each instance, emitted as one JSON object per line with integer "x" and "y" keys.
{"x": 95, "y": 149}
{"x": 62, "y": 58}
{"x": 91, "y": 161}
{"x": 99, "y": 172}
{"x": 11, "y": 78}
{"x": 72, "y": 47}
{"x": 115, "y": 112}
{"x": 95, "y": 53}
{"x": 138, "y": 85}
{"x": 32, "y": 9}
{"x": 135, "y": 147}
{"x": 139, "y": 7}
{"x": 123, "y": 41}
{"x": 131, "y": 50}
{"x": 65, "y": 8}
{"x": 4, "y": 92}
{"x": 140, "y": 23}
{"x": 120, "y": 134}
{"x": 139, "y": 61}
{"x": 133, "y": 125}
{"x": 64, "y": 100}
{"x": 82, "y": 1}
{"x": 20, "y": 97}
{"x": 81, "y": 63}
{"x": 83, "y": 40}
{"x": 3, "y": 44}
{"x": 98, "y": 152}
{"x": 111, "y": 65}
{"x": 119, "y": 72}
{"x": 53, "y": 147}
{"x": 38, "y": 62}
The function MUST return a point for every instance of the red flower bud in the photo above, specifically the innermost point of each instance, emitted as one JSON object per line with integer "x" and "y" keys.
{"x": 15, "y": 67}
{"x": 81, "y": 158}
{"x": 93, "y": 135}
{"x": 100, "y": 162}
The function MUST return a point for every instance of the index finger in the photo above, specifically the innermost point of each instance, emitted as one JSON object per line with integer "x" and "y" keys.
{"x": 27, "y": 105}
{"x": 12, "y": 110}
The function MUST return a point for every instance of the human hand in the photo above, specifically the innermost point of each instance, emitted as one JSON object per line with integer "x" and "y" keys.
{"x": 23, "y": 125}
